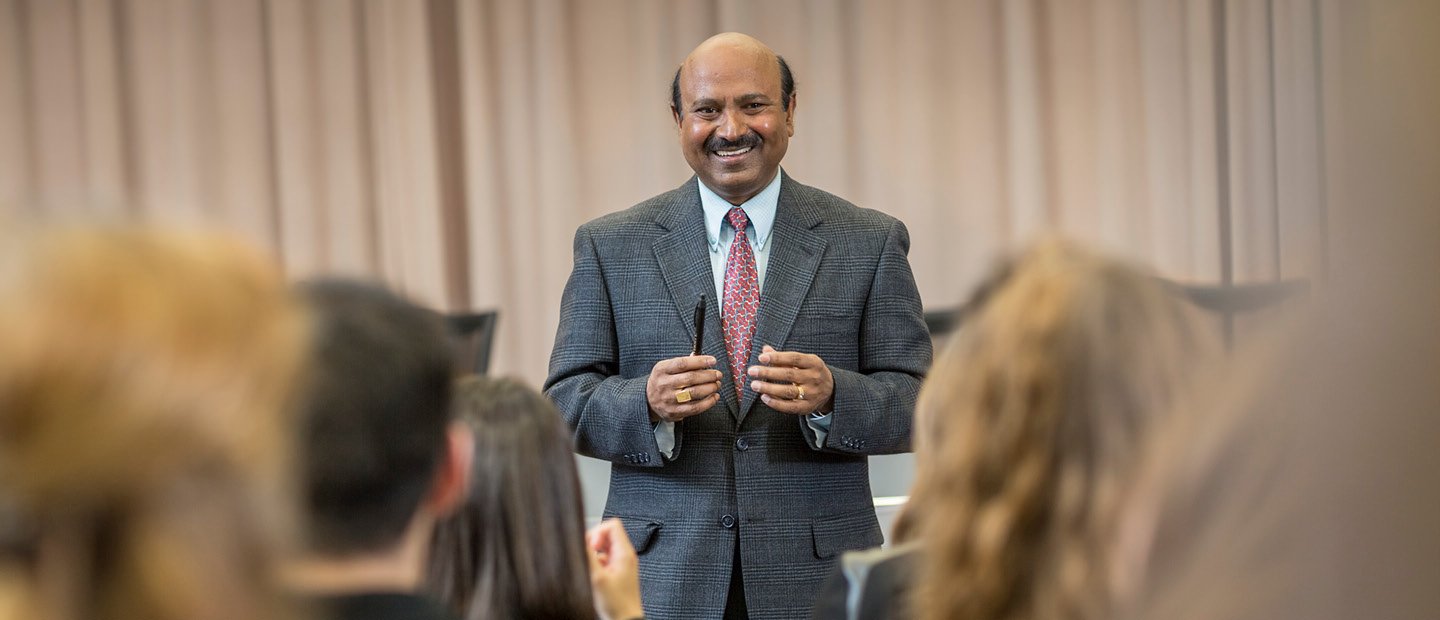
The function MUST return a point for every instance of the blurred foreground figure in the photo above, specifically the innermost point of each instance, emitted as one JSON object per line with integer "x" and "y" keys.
{"x": 1310, "y": 487}
{"x": 515, "y": 550}
{"x": 1306, "y": 486}
{"x": 1028, "y": 430}
{"x": 145, "y": 427}
{"x": 383, "y": 461}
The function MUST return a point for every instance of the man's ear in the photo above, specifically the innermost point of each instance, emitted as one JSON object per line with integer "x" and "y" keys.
{"x": 675, "y": 114}
{"x": 452, "y": 477}
{"x": 790, "y": 114}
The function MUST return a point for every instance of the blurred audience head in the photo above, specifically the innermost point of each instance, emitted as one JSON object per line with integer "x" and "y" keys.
{"x": 515, "y": 550}
{"x": 381, "y": 461}
{"x": 146, "y": 384}
{"x": 1028, "y": 428}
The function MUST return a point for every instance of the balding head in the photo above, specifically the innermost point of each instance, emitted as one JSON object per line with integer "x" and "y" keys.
{"x": 736, "y": 42}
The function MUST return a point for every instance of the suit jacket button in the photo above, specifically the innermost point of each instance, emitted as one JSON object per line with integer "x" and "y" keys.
{"x": 727, "y": 521}
{"x": 742, "y": 444}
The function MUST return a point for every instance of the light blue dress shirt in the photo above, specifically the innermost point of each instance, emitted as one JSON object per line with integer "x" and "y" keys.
{"x": 760, "y": 210}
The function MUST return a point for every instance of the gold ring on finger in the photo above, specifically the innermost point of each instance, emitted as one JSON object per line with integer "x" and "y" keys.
{"x": 799, "y": 392}
{"x": 683, "y": 395}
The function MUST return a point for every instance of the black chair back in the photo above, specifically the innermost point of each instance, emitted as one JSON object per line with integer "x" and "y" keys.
{"x": 473, "y": 334}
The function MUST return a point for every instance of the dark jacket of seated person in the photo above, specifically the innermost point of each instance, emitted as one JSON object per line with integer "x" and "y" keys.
{"x": 383, "y": 606}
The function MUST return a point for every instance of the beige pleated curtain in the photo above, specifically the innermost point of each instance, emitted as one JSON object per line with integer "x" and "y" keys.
{"x": 451, "y": 147}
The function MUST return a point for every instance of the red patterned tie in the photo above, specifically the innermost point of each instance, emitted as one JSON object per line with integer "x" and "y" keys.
{"x": 742, "y": 299}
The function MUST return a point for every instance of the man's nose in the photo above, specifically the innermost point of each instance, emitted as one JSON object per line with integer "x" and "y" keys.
{"x": 732, "y": 126}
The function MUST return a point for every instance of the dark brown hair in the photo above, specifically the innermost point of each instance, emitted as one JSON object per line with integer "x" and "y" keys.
{"x": 516, "y": 549}
{"x": 376, "y": 411}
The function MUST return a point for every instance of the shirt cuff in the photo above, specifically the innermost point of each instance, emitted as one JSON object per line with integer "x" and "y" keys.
{"x": 819, "y": 422}
{"x": 665, "y": 438}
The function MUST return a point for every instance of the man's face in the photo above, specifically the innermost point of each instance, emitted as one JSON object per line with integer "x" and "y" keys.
{"x": 734, "y": 127}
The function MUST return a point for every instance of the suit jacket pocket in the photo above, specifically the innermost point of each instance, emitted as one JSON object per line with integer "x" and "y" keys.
{"x": 825, "y": 327}
{"x": 642, "y": 531}
{"x": 846, "y": 532}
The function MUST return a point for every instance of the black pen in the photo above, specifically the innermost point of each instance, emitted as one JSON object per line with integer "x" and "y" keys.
{"x": 699, "y": 325}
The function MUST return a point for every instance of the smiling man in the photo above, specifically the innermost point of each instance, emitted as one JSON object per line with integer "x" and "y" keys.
{"x": 740, "y": 470}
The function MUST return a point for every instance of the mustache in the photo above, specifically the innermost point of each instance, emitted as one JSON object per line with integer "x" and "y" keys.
{"x": 716, "y": 143}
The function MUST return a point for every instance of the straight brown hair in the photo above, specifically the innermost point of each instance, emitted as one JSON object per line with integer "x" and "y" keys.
{"x": 516, "y": 548}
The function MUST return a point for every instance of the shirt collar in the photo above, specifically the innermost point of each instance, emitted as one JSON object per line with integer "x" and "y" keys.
{"x": 760, "y": 208}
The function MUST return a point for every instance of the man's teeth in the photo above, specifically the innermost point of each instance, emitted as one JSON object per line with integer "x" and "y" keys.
{"x": 731, "y": 153}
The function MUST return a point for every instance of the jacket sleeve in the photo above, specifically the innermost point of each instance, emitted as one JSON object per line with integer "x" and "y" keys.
{"x": 874, "y": 405}
{"x": 607, "y": 414}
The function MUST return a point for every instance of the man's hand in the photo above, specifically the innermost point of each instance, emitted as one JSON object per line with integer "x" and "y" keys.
{"x": 681, "y": 387}
{"x": 791, "y": 382}
{"x": 614, "y": 572}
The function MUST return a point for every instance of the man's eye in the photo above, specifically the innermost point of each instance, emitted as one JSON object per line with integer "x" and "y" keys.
{"x": 705, "y": 111}
{"x": 754, "y": 106}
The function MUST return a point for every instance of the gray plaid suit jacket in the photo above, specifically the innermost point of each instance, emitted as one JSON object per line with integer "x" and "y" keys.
{"x": 838, "y": 285}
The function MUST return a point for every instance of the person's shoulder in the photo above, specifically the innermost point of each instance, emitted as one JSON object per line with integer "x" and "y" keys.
{"x": 837, "y": 210}
{"x": 642, "y": 214}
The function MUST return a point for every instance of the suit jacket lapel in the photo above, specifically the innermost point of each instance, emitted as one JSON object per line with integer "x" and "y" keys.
{"x": 795, "y": 252}
{"x": 683, "y": 256}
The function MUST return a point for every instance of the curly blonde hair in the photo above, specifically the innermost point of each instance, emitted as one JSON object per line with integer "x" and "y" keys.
{"x": 145, "y": 423}
{"x": 1027, "y": 430}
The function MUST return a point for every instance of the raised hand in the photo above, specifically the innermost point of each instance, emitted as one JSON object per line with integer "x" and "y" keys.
{"x": 614, "y": 572}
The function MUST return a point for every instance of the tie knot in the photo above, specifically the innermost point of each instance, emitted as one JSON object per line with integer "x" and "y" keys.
{"x": 737, "y": 219}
